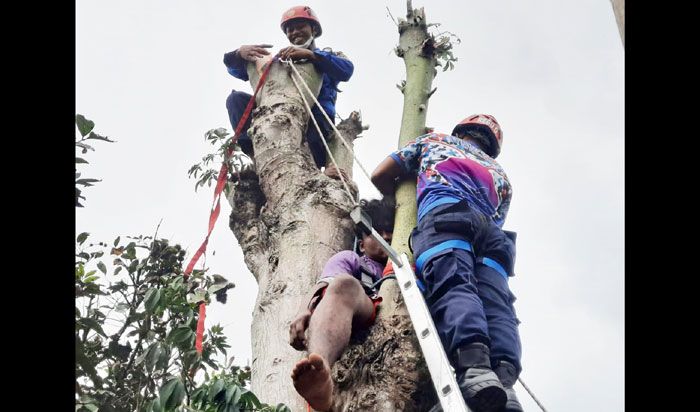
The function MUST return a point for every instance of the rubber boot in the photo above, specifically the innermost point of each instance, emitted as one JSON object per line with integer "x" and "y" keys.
{"x": 507, "y": 373}
{"x": 480, "y": 386}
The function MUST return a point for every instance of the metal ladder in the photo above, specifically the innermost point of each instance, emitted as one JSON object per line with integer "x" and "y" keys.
{"x": 444, "y": 381}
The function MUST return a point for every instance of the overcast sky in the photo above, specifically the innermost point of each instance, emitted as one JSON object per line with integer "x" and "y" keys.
{"x": 150, "y": 75}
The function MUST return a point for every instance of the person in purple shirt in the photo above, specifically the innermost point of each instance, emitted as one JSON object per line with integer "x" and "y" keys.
{"x": 463, "y": 256}
{"x": 341, "y": 302}
{"x": 301, "y": 26}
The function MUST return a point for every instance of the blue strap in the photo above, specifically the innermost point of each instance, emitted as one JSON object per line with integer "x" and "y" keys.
{"x": 420, "y": 285}
{"x": 495, "y": 265}
{"x": 442, "y": 201}
{"x": 449, "y": 244}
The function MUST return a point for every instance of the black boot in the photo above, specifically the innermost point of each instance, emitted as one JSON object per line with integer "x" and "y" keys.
{"x": 508, "y": 375}
{"x": 480, "y": 386}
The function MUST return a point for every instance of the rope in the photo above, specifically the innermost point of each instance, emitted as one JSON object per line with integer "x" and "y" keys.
{"x": 323, "y": 139}
{"x": 531, "y": 394}
{"x": 216, "y": 206}
{"x": 342, "y": 139}
{"x": 337, "y": 132}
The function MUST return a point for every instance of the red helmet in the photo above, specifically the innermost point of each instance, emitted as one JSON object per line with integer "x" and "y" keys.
{"x": 302, "y": 12}
{"x": 488, "y": 124}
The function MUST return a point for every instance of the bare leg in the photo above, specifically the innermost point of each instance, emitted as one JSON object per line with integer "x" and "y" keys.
{"x": 344, "y": 305}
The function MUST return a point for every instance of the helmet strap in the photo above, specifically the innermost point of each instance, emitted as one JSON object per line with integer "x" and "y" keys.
{"x": 306, "y": 44}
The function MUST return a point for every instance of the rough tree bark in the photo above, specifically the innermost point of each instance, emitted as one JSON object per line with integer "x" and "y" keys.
{"x": 383, "y": 369}
{"x": 289, "y": 219}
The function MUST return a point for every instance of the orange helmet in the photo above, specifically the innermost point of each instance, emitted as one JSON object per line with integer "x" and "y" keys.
{"x": 304, "y": 13}
{"x": 488, "y": 124}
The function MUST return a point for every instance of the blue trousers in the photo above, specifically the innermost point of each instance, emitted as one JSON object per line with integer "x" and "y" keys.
{"x": 464, "y": 260}
{"x": 235, "y": 105}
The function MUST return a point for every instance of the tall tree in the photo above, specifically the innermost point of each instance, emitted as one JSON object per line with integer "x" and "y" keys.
{"x": 289, "y": 219}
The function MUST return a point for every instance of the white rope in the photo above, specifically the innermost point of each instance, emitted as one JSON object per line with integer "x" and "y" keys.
{"x": 342, "y": 139}
{"x": 323, "y": 139}
{"x": 531, "y": 394}
{"x": 337, "y": 132}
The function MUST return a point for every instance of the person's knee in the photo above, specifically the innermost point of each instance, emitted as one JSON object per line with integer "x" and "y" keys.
{"x": 237, "y": 100}
{"x": 344, "y": 286}
{"x": 231, "y": 100}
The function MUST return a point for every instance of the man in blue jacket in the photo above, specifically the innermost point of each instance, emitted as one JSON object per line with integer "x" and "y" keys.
{"x": 301, "y": 26}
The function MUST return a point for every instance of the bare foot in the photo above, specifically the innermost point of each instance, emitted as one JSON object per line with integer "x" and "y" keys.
{"x": 312, "y": 379}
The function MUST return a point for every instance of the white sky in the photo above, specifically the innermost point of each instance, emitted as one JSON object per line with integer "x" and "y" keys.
{"x": 150, "y": 75}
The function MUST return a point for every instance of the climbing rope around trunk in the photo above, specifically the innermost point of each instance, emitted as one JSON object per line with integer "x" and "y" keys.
{"x": 323, "y": 139}
{"x": 337, "y": 132}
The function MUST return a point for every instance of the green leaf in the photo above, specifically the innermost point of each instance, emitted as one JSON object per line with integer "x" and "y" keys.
{"x": 216, "y": 287}
{"x": 251, "y": 400}
{"x": 164, "y": 358}
{"x": 152, "y": 357}
{"x": 122, "y": 307}
{"x": 82, "y": 237}
{"x": 215, "y": 389}
{"x": 90, "y": 279}
{"x": 84, "y": 146}
{"x": 166, "y": 392}
{"x": 145, "y": 353}
{"x": 101, "y": 266}
{"x": 85, "y": 126}
{"x": 116, "y": 241}
{"x": 233, "y": 395}
{"x": 156, "y": 406}
{"x": 177, "y": 396}
{"x": 87, "y": 181}
{"x": 198, "y": 396}
{"x": 180, "y": 334}
{"x": 96, "y": 136}
{"x": 132, "y": 266}
{"x": 88, "y": 323}
{"x": 198, "y": 296}
{"x": 151, "y": 299}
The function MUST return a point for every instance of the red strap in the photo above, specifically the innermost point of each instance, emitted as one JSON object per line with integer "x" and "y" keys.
{"x": 200, "y": 328}
{"x": 216, "y": 209}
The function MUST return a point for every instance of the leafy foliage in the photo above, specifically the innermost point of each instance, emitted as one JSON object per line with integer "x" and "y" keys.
{"x": 238, "y": 162}
{"x": 135, "y": 326}
{"x": 441, "y": 45}
{"x": 135, "y": 332}
{"x": 85, "y": 128}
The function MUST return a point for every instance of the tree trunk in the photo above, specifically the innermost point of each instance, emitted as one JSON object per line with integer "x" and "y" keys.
{"x": 619, "y": 10}
{"x": 290, "y": 210}
{"x": 383, "y": 369}
{"x": 289, "y": 219}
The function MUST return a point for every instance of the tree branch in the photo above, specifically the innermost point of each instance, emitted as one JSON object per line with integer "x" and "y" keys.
{"x": 247, "y": 200}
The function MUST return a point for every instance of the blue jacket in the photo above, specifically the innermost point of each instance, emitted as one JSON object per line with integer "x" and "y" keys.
{"x": 334, "y": 68}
